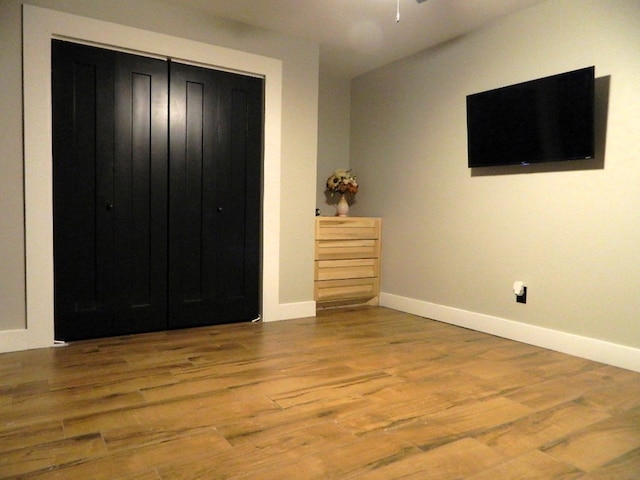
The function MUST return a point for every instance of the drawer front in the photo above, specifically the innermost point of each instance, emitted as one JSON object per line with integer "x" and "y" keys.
{"x": 342, "y": 249}
{"x": 336, "y": 290}
{"x": 334, "y": 228}
{"x": 341, "y": 269}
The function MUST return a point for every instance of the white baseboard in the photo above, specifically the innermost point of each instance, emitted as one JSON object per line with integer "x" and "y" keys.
{"x": 22, "y": 339}
{"x": 289, "y": 311}
{"x": 13, "y": 340}
{"x": 584, "y": 347}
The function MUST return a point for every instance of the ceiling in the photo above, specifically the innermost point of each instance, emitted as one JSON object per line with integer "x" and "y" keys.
{"x": 357, "y": 36}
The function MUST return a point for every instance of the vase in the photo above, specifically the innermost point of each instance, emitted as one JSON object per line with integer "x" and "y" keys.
{"x": 342, "y": 207}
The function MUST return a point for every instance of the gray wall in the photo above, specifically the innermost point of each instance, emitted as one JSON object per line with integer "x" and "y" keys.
{"x": 459, "y": 240}
{"x": 333, "y": 134}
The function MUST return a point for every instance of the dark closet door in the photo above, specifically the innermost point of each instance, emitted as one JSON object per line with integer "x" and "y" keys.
{"x": 140, "y": 193}
{"x": 110, "y": 191}
{"x": 215, "y": 196}
{"x": 82, "y": 81}
{"x": 157, "y": 193}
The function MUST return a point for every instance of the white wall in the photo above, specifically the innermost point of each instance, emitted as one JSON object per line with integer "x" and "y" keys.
{"x": 299, "y": 113}
{"x": 454, "y": 241}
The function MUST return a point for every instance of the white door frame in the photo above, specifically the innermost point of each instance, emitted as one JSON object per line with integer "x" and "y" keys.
{"x": 39, "y": 27}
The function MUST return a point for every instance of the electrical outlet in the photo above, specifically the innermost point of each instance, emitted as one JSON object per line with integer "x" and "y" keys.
{"x": 522, "y": 298}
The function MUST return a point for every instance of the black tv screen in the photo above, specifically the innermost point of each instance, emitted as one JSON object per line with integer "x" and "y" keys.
{"x": 543, "y": 120}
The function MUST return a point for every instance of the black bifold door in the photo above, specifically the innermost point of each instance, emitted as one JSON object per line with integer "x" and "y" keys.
{"x": 157, "y": 193}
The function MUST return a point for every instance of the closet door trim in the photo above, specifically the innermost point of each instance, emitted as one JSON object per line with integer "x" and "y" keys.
{"x": 40, "y": 25}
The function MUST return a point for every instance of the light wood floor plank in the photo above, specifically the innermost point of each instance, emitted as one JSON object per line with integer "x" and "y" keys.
{"x": 355, "y": 393}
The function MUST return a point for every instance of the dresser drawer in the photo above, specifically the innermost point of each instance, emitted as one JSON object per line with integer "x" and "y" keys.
{"x": 352, "y": 289}
{"x": 341, "y": 269}
{"x": 338, "y": 228}
{"x": 341, "y": 249}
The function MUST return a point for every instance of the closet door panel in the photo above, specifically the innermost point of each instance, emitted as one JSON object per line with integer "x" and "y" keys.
{"x": 191, "y": 209}
{"x": 214, "y": 198}
{"x": 192, "y": 223}
{"x": 140, "y": 205}
{"x": 82, "y": 85}
{"x": 239, "y": 161}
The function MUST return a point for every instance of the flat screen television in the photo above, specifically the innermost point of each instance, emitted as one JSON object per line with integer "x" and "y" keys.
{"x": 544, "y": 120}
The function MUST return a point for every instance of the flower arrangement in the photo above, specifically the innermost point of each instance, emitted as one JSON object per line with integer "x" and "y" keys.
{"x": 342, "y": 182}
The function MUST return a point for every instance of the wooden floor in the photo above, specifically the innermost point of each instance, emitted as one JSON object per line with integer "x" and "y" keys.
{"x": 367, "y": 393}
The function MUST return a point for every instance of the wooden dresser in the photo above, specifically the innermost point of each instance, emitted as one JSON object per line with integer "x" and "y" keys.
{"x": 347, "y": 261}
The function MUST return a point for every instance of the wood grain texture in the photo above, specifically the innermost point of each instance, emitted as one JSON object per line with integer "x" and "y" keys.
{"x": 355, "y": 393}
{"x": 347, "y": 261}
